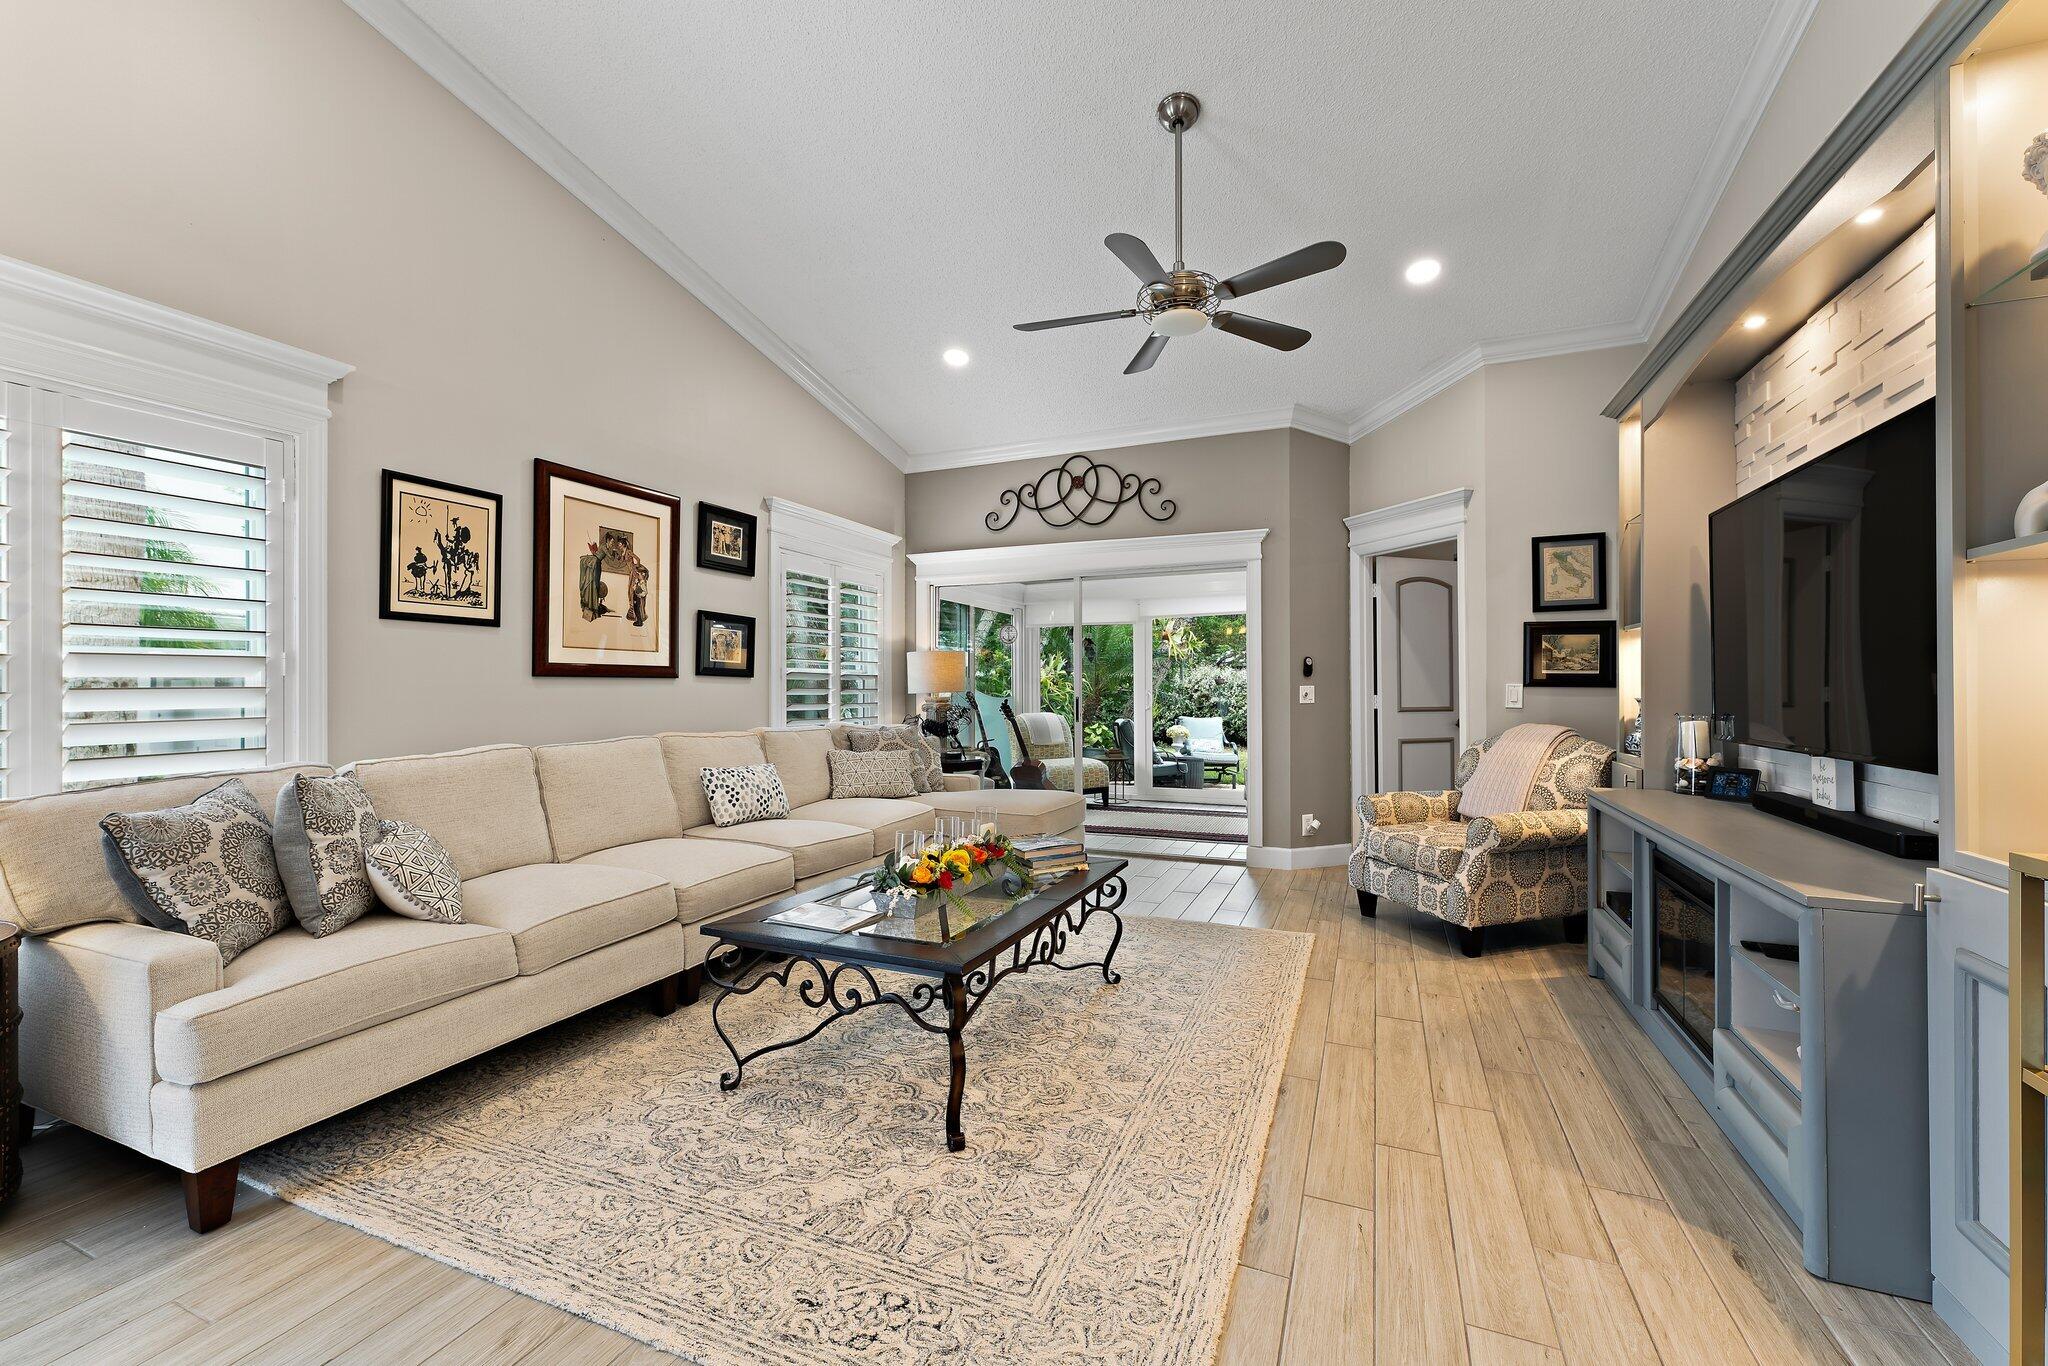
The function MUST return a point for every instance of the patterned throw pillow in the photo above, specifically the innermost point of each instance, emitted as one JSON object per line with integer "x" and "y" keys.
{"x": 926, "y": 773}
{"x": 205, "y": 869}
{"x": 880, "y": 773}
{"x": 750, "y": 793}
{"x": 322, "y": 827}
{"x": 413, "y": 875}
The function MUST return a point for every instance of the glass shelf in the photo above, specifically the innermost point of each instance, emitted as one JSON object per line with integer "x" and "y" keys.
{"x": 2030, "y": 281}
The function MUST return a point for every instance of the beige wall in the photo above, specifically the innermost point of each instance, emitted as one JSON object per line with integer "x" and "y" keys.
{"x": 276, "y": 166}
{"x": 1527, "y": 437}
{"x": 1287, "y": 482}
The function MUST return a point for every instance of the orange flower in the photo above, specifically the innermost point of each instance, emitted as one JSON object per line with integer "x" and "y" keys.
{"x": 921, "y": 874}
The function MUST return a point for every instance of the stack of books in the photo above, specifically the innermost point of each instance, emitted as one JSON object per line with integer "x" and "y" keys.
{"x": 1050, "y": 857}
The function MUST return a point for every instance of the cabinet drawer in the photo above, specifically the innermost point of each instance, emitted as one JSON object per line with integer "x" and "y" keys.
{"x": 1762, "y": 1117}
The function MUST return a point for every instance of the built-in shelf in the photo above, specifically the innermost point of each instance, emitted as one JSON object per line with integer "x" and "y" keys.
{"x": 1779, "y": 975}
{"x": 2012, "y": 289}
{"x": 1779, "y": 1048}
{"x": 1623, "y": 865}
{"x": 2034, "y": 547}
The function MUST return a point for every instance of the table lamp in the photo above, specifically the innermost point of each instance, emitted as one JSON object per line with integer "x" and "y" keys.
{"x": 931, "y": 675}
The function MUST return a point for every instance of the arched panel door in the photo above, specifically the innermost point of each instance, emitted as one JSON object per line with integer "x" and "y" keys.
{"x": 1415, "y": 673}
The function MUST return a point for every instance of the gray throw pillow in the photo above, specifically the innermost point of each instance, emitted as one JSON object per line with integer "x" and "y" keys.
{"x": 413, "y": 875}
{"x": 205, "y": 869}
{"x": 322, "y": 827}
{"x": 752, "y": 792}
{"x": 880, "y": 773}
{"x": 926, "y": 773}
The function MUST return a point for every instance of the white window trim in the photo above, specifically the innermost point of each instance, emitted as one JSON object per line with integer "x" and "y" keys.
{"x": 794, "y": 530}
{"x": 64, "y": 335}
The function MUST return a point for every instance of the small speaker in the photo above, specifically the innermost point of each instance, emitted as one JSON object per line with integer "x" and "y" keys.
{"x": 1899, "y": 841}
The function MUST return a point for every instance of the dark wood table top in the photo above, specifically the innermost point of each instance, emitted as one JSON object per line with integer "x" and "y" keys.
{"x": 753, "y": 930}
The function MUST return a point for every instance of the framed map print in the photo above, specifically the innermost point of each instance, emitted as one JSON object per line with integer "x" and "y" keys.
{"x": 604, "y": 576}
{"x": 442, "y": 556}
{"x": 1569, "y": 573}
{"x": 725, "y": 539}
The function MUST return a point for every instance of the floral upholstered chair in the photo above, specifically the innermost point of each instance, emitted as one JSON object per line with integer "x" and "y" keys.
{"x": 1508, "y": 843}
{"x": 1050, "y": 740}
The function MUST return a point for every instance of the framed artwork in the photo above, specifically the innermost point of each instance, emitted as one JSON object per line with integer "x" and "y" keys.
{"x": 604, "y": 576}
{"x": 1568, "y": 654}
{"x": 1568, "y": 573}
{"x": 442, "y": 556}
{"x": 725, "y": 645}
{"x": 725, "y": 539}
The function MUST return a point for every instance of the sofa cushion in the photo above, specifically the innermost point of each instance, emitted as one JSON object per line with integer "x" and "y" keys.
{"x": 1019, "y": 811}
{"x": 320, "y": 829}
{"x": 53, "y": 872}
{"x": 927, "y": 773}
{"x": 205, "y": 868}
{"x": 885, "y": 816}
{"x": 708, "y": 876}
{"x": 555, "y": 911}
{"x": 1432, "y": 847}
{"x": 739, "y": 795}
{"x": 604, "y": 793}
{"x": 799, "y": 756}
{"x": 293, "y": 991}
{"x": 816, "y": 846}
{"x": 687, "y": 754}
{"x": 412, "y": 874}
{"x": 482, "y": 804}
{"x": 874, "y": 773}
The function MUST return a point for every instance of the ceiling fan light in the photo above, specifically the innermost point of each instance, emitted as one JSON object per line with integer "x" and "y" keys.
{"x": 1179, "y": 322}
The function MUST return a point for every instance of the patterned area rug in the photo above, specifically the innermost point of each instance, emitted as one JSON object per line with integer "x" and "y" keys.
{"x": 813, "y": 1215}
{"x": 1185, "y": 820}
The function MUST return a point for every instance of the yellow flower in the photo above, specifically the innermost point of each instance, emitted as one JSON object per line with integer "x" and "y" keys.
{"x": 959, "y": 861}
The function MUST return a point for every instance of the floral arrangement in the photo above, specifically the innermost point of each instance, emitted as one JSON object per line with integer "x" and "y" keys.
{"x": 1178, "y": 734}
{"x": 950, "y": 868}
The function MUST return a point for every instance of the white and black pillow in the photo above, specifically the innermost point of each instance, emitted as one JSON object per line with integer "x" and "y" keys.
{"x": 322, "y": 827}
{"x": 877, "y": 773}
{"x": 205, "y": 869}
{"x": 413, "y": 875}
{"x": 749, "y": 793}
{"x": 926, "y": 772}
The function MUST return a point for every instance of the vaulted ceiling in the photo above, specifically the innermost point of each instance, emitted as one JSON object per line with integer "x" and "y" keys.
{"x": 858, "y": 187}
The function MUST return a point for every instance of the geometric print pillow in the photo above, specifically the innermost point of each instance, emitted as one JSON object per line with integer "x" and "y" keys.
{"x": 926, "y": 773}
{"x": 322, "y": 827}
{"x": 876, "y": 773}
{"x": 752, "y": 792}
{"x": 205, "y": 869}
{"x": 413, "y": 875}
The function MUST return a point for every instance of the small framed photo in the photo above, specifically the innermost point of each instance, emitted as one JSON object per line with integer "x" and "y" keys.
{"x": 725, "y": 539}
{"x": 1568, "y": 654}
{"x": 1568, "y": 573}
{"x": 725, "y": 645}
{"x": 441, "y": 554}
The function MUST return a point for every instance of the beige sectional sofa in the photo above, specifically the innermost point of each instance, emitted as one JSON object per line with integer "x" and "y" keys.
{"x": 585, "y": 870}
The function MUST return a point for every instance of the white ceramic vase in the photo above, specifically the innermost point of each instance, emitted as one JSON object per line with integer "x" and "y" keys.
{"x": 2032, "y": 515}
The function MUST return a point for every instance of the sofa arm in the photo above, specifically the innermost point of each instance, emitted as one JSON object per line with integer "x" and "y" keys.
{"x": 90, "y": 997}
{"x": 1525, "y": 832}
{"x": 1407, "y": 808}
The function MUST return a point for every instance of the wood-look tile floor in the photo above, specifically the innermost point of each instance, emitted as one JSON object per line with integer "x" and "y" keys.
{"x": 1472, "y": 1161}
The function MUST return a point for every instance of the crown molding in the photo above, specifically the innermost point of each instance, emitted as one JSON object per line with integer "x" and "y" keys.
{"x": 1311, "y": 420}
{"x": 434, "y": 55}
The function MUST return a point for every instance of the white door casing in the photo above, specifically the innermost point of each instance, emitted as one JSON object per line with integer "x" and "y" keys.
{"x": 1415, "y": 672}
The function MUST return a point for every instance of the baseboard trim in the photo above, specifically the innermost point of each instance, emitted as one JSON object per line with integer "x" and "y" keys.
{"x": 1979, "y": 1339}
{"x": 1309, "y": 856}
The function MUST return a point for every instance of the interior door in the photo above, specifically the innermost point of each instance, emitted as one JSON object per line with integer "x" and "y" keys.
{"x": 1966, "y": 1077}
{"x": 1415, "y": 673}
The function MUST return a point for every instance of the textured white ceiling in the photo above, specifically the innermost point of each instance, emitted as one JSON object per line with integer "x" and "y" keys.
{"x": 878, "y": 181}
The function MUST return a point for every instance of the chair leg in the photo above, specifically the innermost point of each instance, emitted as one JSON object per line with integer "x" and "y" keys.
{"x": 210, "y": 1195}
{"x": 1471, "y": 940}
{"x": 1575, "y": 928}
{"x": 1368, "y": 904}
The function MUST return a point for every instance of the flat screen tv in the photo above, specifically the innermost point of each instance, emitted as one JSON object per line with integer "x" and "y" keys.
{"x": 1823, "y": 602}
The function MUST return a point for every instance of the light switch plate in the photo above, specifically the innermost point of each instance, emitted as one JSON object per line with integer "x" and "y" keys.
{"x": 1308, "y": 692}
{"x": 1514, "y": 695}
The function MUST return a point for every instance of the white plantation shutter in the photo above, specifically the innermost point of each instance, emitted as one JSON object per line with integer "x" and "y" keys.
{"x": 806, "y": 646}
{"x": 830, "y": 615}
{"x": 858, "y": 635}
{"x": 6, "y": 604}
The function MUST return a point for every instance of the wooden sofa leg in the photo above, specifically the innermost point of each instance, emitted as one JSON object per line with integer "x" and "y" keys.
{"x": 664, "y": 996}
{"x": 210, "y": 1195}
{"x": 1368, "y": 904}
{"x": 1472, "y": 940}
{"x": 24, "y": 1124}
{"x": 692, "y": 981}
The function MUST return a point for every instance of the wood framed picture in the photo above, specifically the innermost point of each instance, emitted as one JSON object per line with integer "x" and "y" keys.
{"x": 604, "y": 576}
{"x": 1568, "y": 654}
{"x": 442, "y": 553}
{"x": 725, "y": 645}
{"x": 1568, "y": 573}
{"x": 725, "y": 539}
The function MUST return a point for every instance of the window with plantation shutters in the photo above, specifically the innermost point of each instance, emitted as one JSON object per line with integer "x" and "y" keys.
{"x": 830, "y": 616}
{"x": 5, "y": 615}
{"x": 858, "y": 635}
{"x": 806, "y": 647}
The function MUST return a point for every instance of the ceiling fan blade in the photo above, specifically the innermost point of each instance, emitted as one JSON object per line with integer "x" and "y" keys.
{"x": 1147, "y": 353}
{"x": 1070, "y": 322}
{"x": 1138, "y": 257}
{"x": 1310, "y": 260}
{"x": 1279, "y": 336}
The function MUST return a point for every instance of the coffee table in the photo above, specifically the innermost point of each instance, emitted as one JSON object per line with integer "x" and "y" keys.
{"x": 835, "y": 973}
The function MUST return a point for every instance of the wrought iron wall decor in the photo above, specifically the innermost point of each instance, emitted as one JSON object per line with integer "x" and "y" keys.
{"x": 1080, "y": 491}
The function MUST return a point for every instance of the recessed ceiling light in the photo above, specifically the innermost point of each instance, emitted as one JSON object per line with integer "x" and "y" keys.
{"x": 1423, "y": 271}
{"x": 955, "y": 357}
{"x": 1870, "y": 215}
{"x": 1754, "y": 321}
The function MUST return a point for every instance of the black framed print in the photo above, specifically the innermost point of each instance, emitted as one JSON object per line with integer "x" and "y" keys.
{"x": 604, "y": 576}
{"x": 1568, "y": 573}
{"x": 725, "y": 539}
{"x": 1568, "y": 654}
{"x": 441, "y": 556}
{"x": 725, "y": 645}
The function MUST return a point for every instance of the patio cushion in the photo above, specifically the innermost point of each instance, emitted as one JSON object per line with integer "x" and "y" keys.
{"x": 816, "y": 846}
{"x": 555, "y": 911}
{"x": 1432, "y": 847}
{"x": 1059, "y": 773}
{"x": 706, "y": 876}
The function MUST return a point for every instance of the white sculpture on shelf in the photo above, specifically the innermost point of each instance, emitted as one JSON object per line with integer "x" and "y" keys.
{"x": 2034, "y": 170}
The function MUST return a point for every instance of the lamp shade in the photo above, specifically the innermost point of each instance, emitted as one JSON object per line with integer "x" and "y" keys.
{"x": 930, "y": 671}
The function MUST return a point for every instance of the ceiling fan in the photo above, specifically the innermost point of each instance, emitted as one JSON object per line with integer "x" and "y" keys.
{"x": 1181, "y": 302}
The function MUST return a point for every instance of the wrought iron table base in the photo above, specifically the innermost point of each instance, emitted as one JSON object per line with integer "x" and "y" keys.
{"x": 939, "y": 1005}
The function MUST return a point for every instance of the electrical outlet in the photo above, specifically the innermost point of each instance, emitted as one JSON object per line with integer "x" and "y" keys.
{"x": 1309, "y": 824}
{"x": 1308, "y": 692}
{"x": 1514, "y": 695}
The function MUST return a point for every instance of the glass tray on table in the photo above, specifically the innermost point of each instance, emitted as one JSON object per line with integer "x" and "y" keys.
{"x": 927, "y": 926}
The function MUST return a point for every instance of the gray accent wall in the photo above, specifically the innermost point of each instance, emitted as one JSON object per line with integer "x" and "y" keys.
{"x": 1290, "y": 483}
{"x": 282, "y": 169}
